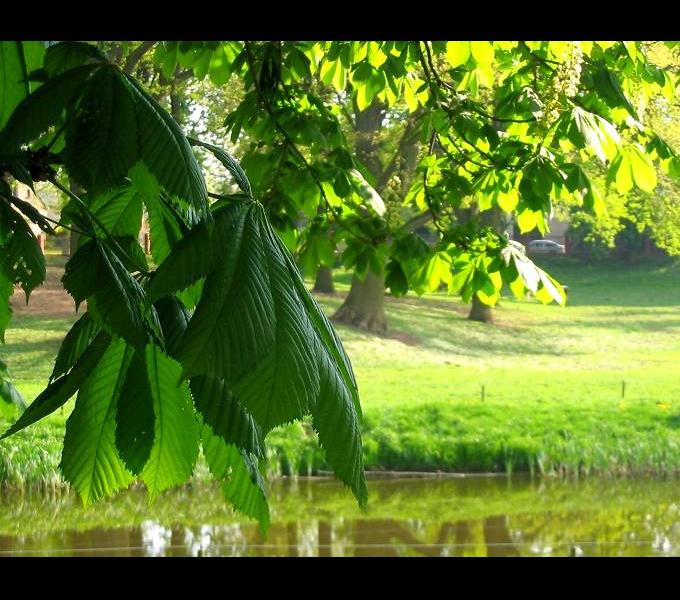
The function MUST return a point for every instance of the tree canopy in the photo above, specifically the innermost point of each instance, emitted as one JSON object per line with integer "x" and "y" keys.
{"x": 219, "y": 341}
{"x": 500, "y": 127}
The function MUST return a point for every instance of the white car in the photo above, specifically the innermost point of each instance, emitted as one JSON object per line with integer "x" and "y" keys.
{"x": 545, "y": 247}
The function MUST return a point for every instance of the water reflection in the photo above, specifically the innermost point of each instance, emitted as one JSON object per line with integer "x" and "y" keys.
{"x": 409, "y": 517}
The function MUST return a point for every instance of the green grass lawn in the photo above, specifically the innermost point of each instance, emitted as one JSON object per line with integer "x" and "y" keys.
{"x": 552, "y": 381}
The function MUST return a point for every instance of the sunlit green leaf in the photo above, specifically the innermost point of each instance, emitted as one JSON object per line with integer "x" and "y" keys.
{"x": 176, "y": 434}
{"x": 457, "y": 53}
{"x": 90, "y": 461}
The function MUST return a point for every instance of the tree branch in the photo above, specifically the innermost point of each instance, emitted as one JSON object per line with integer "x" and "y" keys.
{"x": 426, "y": 192}
{"x": 417, "y": 221}
{"x": 409, "y": 130}
{"x": 135, "y": 56}
{"x": 250, "y": 59}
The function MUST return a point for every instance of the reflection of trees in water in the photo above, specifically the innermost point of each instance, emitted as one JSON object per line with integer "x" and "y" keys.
{"x": 616, "y": 532}
{"x": 394, "y": 538}
{"x": 291, "y": 532}
{"x": 451, "y": 519}
{"x": 497, "y": 537}
{"x": 325, "y": 539}
{"x": 598, "y": 533}
{"x": 361, "y": 537}
{"x": 7, "y": 544}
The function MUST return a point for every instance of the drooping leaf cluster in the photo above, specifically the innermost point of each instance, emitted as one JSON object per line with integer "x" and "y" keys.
{"x": 215, "y": 347}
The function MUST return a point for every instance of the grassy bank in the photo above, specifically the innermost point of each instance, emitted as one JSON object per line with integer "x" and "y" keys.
{"x": 553, "y": 380}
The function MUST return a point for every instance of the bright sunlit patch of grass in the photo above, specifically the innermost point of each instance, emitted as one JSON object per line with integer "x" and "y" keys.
{"x": 589, "y": 387}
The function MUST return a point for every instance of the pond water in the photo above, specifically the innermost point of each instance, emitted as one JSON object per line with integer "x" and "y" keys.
{"x": 447, "y": 516}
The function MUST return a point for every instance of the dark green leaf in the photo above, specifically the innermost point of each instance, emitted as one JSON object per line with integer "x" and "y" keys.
{"x": 257, "y": 328}
{"x": 608, "y": 86}
{"x": 96, "y": 272}
{"x": 167, "y": 153}
{"x": 22, "y": 259}
{"x": 74, "y": 345}
{"x": 174, "y": 318}
{"x": 101, "y": 139}
{"x": 230, "y": 163}
{"x": 17, "y": 60}
{"x": 245, "y": 488}
{"x": 336, "y": 411}
{"x": 325, "y": 332}
{"x": 68, "y": 55}
{"x": 165, "y": 229}
{"x": 225, "y": 416}
{"x": 121, "y": 300}
{"x": 43, "y": 108}
{"x": 81, "y": 276}
{"x": 336, "y": 420}
{"x": 11, "y": 395}
{"x": 189, "y": 260}
{"x": 32, "y": 214}
{"x": 232, "y": 328}
{"x": 135, "y": 429}
{"x": 8, "y": 392}
{"x": 396, "y": 279}
{"x": 285, "y": 382}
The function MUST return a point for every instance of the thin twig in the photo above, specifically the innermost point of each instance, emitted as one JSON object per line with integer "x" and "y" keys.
{"x": 60, "y": 224}
{"x": 460, "y": 163}
{"x": 469, "y": 103}
{"x": 291, "y": 144}
{"x": 440, "y": 81}
{"x": 434, "y": 89}
{"x": 483, "y": 113}
{"x": 426, "y": 193}
{"x": 95, "y": 220}
{"x": 466, "y": 156}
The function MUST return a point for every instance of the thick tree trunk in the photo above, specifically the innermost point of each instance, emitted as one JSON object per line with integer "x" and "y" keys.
{"x": 480, "y": 311}
{"x": 368, "y": 123}
{"x": 364, "y": 306}
{"x": 324, "y": 281}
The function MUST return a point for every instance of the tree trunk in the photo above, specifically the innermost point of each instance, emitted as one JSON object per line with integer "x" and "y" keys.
{"x": 495, "y": 218}
{"x": 368, "y": 123}
{"x": 364, "y": 306}
{"x": 324, "y": 281}
{"x": 176, "y": 105}
{"x": 480, "y": 311}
